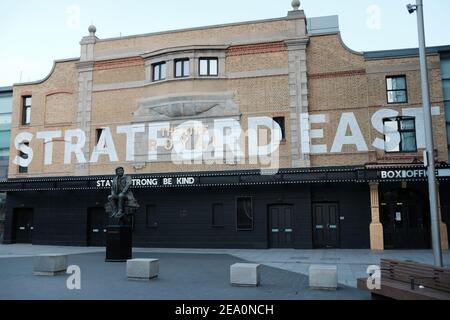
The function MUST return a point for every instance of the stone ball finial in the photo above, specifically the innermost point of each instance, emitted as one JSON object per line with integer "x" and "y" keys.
{"x": 296, "y": 4}
{"x": 92, "y": 30}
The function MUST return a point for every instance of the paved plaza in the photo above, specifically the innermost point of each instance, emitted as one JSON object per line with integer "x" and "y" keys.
{"x": 191, "y": 274}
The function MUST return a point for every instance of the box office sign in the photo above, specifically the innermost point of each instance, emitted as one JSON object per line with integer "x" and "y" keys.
{"x": 410, "y": 174}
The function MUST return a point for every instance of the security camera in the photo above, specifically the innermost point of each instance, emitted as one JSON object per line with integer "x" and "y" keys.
{"x": 411, "y": 8}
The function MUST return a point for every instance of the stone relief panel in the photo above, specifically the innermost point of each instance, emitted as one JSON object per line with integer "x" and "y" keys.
{"x": 171, "y": 111}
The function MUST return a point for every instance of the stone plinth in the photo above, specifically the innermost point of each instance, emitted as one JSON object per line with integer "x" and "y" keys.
{"x": 323, "y": 277}
{"x": 245, "y": 274}
{"x": 49, "y": 264}
{"x": 142, "y": 269}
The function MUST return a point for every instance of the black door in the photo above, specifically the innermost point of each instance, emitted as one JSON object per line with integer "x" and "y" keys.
{"x": 281, "y": 226}
{"x": 96, "y": 227}
{"x": 23, "y": 225}
{"x": 326, "y": 225}
{"x": 406, "y": 219}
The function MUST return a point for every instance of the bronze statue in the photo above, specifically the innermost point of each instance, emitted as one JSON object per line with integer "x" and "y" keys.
{"x": 121, "y": 200}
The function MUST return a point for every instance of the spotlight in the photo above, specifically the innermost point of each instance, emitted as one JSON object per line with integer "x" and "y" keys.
{"x": 411, "y": 8}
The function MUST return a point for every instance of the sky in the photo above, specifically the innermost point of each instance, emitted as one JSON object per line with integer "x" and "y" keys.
{"x": 34, "y": 33}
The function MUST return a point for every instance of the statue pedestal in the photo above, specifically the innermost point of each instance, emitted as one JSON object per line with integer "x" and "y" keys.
{"x": 119, "y": 243}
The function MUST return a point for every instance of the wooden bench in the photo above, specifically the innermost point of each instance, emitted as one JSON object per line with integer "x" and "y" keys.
{"x": 410, "y": 281}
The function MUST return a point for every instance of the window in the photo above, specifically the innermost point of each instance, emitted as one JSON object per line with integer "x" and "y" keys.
{"x": 445, "y": 72}
{"x": 209, "y": 66}
{"x": 159, "y": 71}
{"x": 5, "y": 118}
{"x": 218, "y": 215}
{"x": 98, "y": 134}
{"x": 151, "y": 217}
{"x": 24, "y": 156}
{"x": 400, "y": 135}
{"x": 244, "y": 214}
{"x": 182, "y": 68}
{"x": 447, "y": 118}
{"x": 281, "y": 123}
{"x": 396, "y": 89}
{"x": 26, "y": 110}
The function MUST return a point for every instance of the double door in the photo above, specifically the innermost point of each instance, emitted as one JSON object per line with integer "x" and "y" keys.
{"x": 326, "y": 225}
{"x": 23, "y": 225}
{"x": 96, "y": 227}
{"x": 281, "y": 226}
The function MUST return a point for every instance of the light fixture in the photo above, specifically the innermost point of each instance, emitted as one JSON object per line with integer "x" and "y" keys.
{"x": 411, "y": 8}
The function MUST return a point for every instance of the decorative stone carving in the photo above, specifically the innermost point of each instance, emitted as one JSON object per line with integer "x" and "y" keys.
{"x": 187, "y": 107}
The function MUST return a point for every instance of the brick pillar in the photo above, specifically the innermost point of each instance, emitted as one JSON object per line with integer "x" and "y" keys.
{"x": 442, "y": 225}
{"x": 376, "y": 228}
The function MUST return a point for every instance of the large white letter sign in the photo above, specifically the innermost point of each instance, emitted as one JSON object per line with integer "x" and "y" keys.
{"x": 307, "y": 134}
{"x": 131, "y": 132}
{"x": 348, "y": 120}
{"x": 20, "y": 145}
{"x": 154, "y": 141}
{"x": 76, "y": 148}
{"x": 105, "y": 146}
{"x": 227, "y": 138}
{"x": 48, "y": 137}
{"x": 255, "y": 149}
{"x": 190, "y": 140}
{"x": 417, "y": 113}
{"x": 377, "y": 123}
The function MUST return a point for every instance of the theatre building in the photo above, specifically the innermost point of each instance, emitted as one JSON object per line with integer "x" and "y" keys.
{"x": 261, "y": 134}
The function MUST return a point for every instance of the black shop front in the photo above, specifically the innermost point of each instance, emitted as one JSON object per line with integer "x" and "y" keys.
{"x": 292, "y": 208}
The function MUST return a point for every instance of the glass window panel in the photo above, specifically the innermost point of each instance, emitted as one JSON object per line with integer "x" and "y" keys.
{"x": 186, "y": 68}
{"x": 28, "y": 115}
{"x": 4, "y": 152}
{"x": 5, "y": 118}
{"x": 409, "y": 142}
{"x": 389, "y": 84}
{"x": 448, "y": 132}
{"x": 445, "y": 67}
{"x": 244, "y": 214}
{"x": 213, "y": 68}
{"x": 399, "y": 83}
{"x": 407, "y": 124}
{"x": 391, "y": 97}
{"x": 446, "y": 85}
{"x": 5, "y": 104}
{"x": 447, "y": 111}
{"x": 163, "y": 71}
{"x": 156, "y": 72}
{"x": 392, "y": 136}
{"x": 400, "y": 96}
{"x": 5, "y": 137}
{"x": 179, "y": 69}
{"x": 203, "y": 67}
{"x": 28, "y": 101}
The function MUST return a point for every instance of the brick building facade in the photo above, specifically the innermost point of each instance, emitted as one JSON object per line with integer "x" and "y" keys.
{"x": 345, "y": 178}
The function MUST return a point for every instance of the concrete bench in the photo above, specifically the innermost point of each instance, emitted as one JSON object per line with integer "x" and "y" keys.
{"x": 49, "y": 264}
{"x": 323, "y": 277}
{"x": 142, "y": 269}
{"x": 245, "y": 275}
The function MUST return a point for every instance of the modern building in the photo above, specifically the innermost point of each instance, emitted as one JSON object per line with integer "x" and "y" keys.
{"x": 5, "y": 136}
{"x": 260, "y": 134}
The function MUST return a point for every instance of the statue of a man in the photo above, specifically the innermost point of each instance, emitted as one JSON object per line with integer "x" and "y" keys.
{"x": 120, "y": 193}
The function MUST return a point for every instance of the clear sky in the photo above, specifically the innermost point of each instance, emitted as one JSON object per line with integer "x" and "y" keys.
{"x": 33, "y": 33}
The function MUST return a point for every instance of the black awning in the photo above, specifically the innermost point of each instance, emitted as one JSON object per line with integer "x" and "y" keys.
{"x": 231, "y": 178}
